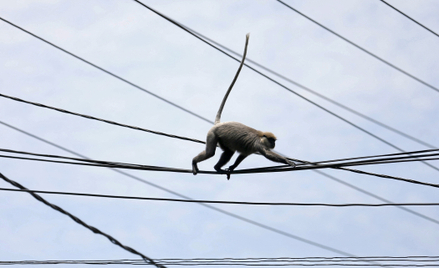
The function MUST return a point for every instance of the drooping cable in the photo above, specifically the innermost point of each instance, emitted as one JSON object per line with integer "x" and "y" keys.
{"x": 80, "y": 222}
{"x": 282, "y": 168}
{"x": 361, "y": 48}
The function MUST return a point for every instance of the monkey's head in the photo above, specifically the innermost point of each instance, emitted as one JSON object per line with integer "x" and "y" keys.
{"x": 268, "y": 139}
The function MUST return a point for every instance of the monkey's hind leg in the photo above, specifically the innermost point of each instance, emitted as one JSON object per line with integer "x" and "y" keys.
{"x": 207, "y": 153}
{"x": 225, "y": 157}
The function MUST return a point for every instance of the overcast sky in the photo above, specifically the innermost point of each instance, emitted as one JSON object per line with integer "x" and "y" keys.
{"x": 129, "y": 40}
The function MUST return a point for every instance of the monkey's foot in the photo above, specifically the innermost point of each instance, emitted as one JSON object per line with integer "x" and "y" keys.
{"x": 224, "y": 171}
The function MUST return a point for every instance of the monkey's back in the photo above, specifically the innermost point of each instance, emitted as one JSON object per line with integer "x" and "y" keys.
{"x": 235, "y": 136}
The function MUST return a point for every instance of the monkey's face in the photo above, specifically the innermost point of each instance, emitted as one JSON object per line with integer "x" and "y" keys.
{"x": 269, "y": 142}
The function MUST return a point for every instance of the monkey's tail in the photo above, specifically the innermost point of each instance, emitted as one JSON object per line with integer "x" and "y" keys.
{"x": 220, "y": 110}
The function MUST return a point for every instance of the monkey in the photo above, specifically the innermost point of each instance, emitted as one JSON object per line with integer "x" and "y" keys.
{"x": 234, "y": 136}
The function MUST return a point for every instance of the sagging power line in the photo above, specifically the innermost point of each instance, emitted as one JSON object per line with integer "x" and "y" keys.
{"x": 281, "y": 168}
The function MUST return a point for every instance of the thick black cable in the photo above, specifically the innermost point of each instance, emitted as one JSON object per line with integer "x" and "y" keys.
{"x": 315, "y": 92}
{"x": 100, "y": 119}
{"x": 361, "y": 48}
{"x": 222, "y": 202}
{"x": 405, "y": 15}
{"x": 80, "y": 222}
{"x": 370, "y": 160}
{"x": 276, "y": 82}
{"x": 108, "y": 72}
{"x": 341, "y": 166}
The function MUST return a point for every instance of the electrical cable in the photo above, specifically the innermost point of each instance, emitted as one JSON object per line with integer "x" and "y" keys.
{"x": 361, "y": 48}
{"x": 144, "y": 167}
{"x": 230, "y": 214}
{"x": 99, "y": 119}
{"x": 182, "y": 27}
{"x": 80, "y": 222}
{"x": 278, "y": 83}
{"x": 144, "y": 181}
{"x": 222, "y": 202}
{"x": 370, "y": 119}
{"x": 283, "y": 168}
{"x": 402, "y": 261}
{"x": 108, "y": 72}
{"x": 405, "y": 15}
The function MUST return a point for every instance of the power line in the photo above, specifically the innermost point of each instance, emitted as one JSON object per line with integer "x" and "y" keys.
{"x": 222, "y": 202}
{"x": 278, "y": 83}
{"x": 145, "y": 167}
{"x": 144, "y": 181}
{"x": 283, "y": 168}
{"x": 370, "y": 119}
{"x": 108, "y": 72}
{"x": 361, "y": 48}
{"x": 80, "y": 222}
{"x": 405, "y": 15}
{"x": 402, "y": 261}
{"x": 100, "y": 119}
{"x": 230, "y": 214}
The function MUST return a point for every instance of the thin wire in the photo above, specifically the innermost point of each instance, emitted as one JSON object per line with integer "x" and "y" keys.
{"x": 80, "y": 222}
{"x": 108, "y": 72}
{"x": 361, "y": 48}
{"x": 247, "y": 203}
{"x": 278, "y": 83}
{"x": 405, "y": 15}
{"x": 316, "y": 93}
{"x": 100, "y": 119}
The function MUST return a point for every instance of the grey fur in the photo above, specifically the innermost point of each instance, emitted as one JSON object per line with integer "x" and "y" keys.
{"x": 234, "y": 136}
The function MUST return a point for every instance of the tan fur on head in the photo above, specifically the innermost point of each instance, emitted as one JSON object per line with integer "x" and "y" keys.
{"x": 267, "y": 134}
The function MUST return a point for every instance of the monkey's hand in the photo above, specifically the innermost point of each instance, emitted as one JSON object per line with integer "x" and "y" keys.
{"x": 291, "y": 163}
